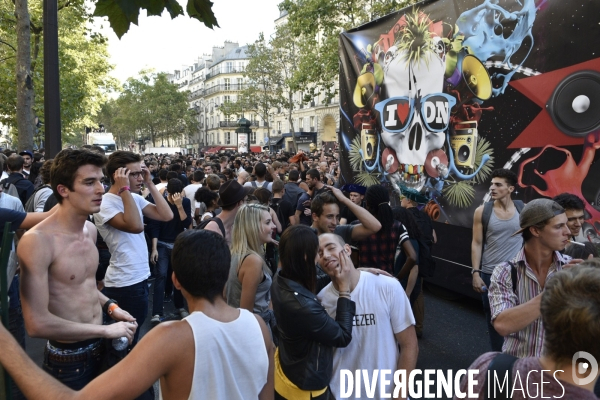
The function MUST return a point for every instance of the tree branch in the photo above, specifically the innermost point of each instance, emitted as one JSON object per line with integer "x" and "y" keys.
{"x": 8, "y": 44}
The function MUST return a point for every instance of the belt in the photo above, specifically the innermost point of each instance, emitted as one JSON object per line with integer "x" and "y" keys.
{"x": 75, "y": 357}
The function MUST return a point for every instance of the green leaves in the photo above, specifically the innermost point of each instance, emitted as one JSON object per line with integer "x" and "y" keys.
{"x": 202, "y": 11}
{"x": 122, "y": 13}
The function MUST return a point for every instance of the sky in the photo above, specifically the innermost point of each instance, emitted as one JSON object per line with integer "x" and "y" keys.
{"x": 166, "y": 45}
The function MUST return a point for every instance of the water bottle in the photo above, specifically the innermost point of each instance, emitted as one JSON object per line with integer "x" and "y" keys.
{"x": 120, "y": 344}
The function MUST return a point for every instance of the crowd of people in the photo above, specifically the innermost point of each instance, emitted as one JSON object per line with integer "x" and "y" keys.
{"x": 282, "y": 276}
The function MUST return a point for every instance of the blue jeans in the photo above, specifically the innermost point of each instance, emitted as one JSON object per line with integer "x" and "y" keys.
{"x": 160, "y": 278}
{"x": 134, "y": 300}
{"x": 74, "y": 373}
{"x": 496, "y": 341}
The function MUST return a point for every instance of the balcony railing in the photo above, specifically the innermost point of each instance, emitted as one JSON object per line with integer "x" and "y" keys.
{"x": 225, "y": 88}
{"x": 228, "y": 124}
{"x": 224, "y": 71}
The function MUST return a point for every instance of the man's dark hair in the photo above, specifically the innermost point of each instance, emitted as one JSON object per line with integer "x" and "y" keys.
{"x": 171, "y": 175}
{"x": 237, "y": 163}
{"x": 37, "y": 156}
{"x": 378, "y": 198}
{"x": 162, "y": 174}
{"x": 313, "y": 174}
{"x": 317, "y": 204}
{"x": 174, "y": 186}
{"x": 45, "y": 171}
{"x": 298, "y": 248}
{"x": 506, "y": 174}
{"x": 120, "y": 159}
{"x": 65, "y": 165}
{"x": 569, "y": 201}
{"x": 203, "y": 195}
{"x": 176, "y": 167}
{"x": 260, "y": 170}
{"x": 201, "y": 261}
{"x": 15, "y": 163}
{"x": 294, "y": 175}
{"x": 198, "y": 175}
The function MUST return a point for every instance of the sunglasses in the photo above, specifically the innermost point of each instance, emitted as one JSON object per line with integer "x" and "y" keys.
{"x": 396, "y": 113}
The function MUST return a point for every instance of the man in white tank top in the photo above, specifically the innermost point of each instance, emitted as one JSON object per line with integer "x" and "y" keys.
{"x": 496, "y": 245}
{"x": 218, "y": 352}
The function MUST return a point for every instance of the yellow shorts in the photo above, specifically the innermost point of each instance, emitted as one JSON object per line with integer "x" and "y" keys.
{"x": 285, "y": 388}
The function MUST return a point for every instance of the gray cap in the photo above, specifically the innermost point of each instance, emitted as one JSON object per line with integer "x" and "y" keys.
{"x": 537, "y": 211}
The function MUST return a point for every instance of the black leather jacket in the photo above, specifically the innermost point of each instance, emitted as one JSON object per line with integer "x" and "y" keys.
{"x": 307, "y": 334}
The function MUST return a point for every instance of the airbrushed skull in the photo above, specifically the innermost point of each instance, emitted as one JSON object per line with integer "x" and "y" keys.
{"x": 404, "y": 122}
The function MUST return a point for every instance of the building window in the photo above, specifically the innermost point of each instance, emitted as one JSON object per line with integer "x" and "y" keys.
{"x": 212, "y": 121}
{"x": 226, "y": 99}
{"x": 301, "y": 124}
{"x": 239, "y": 83}
{"x": 253, "y": 137}
{"x": 229, "y": 67}
{"x": 279, "y": 126}
{"x": 312, "y": 124}
{"x": 218, "y": 137}
{"x": 227, "y": 137}
{"x": 227, "y": 84}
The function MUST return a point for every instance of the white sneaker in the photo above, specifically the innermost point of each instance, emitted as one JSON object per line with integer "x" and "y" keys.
{"x": 155, "y": 319}
{"x": 183, "y": 313}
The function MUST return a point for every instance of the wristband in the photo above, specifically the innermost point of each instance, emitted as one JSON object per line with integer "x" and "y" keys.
{"x": 124, "y": 188}
{"x": 347, "y": 294}
{"x": 107, "y": 305}
{"x": 473, "y": 271}
{"x": 112, "y": 308}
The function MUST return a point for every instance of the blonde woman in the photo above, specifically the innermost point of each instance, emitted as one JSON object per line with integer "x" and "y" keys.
{"x": 249, "y": 282}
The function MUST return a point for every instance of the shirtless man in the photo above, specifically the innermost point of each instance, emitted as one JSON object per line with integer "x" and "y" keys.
{"x": 58, "y": 260}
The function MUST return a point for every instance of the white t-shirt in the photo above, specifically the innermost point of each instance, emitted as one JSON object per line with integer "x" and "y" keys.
{"x": 190, "y": 191}
{"x": 265, "y": 184}
{"x": 128, "y": 251}
{"x": 382, "y": 310}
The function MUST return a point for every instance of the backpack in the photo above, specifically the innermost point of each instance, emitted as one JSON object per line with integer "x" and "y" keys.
{"x": 30, "y": 205}
{"x": 10, "y": 189}
{"x": 275, "y": 205}
{"x": 488, "y": 208}
{"x": 426, "y": 261}
{"x": 203, "y": 224}
{"x": 292, "y": 193}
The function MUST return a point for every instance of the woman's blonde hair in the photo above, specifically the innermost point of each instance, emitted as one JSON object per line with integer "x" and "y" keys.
{"x": 245, "y": 236}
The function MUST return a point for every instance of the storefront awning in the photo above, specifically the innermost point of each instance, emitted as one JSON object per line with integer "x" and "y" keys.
{"x": 255, "y": 149}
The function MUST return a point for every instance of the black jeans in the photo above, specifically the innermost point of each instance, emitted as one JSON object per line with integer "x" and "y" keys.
{"x": 496, "y": 341}
{"x": 134, "y": 300}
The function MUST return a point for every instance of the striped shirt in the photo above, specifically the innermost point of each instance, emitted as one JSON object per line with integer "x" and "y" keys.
{"x": 529, "y": 341}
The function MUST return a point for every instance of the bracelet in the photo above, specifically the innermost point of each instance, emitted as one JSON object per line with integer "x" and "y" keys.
{"x": 347, "y": 293}
{"x": 124, "y": 188}
{"x": 107, "y": 304}
{"x": 112, "y": 308}
{"x": 475, "y": 271}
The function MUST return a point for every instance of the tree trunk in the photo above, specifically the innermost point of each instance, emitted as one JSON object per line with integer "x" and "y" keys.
{"x": 25, "y": 118}
{"x": 290, "y": 119}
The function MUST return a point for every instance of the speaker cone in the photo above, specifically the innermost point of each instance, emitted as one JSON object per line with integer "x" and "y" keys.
{"x": 463, "y": 153}
{"x": 575, "y": 104}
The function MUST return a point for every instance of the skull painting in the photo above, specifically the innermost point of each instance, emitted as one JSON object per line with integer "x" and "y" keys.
{"x": 416, "y": 112}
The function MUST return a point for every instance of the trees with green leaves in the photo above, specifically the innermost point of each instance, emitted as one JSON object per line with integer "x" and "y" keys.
{"x": 265, "y": 87}
{"x": 150, "y": 107}
{"x": 316, "y": 25}
{"x": 84, "y": 68}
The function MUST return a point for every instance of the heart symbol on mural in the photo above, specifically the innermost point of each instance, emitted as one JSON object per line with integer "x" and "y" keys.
{"x": 402, "y": 111}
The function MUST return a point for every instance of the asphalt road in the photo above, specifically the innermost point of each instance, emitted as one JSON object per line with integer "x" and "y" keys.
{"x": 454, "y": 333}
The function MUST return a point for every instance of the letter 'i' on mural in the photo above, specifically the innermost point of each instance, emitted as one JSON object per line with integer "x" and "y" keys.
{"x": 436, "y": 96}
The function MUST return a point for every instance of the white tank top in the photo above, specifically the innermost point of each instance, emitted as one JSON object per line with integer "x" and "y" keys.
{"x": 231, "y": 358}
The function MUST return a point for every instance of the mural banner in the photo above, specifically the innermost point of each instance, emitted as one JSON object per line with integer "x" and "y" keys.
{"x": 436, "y": 96}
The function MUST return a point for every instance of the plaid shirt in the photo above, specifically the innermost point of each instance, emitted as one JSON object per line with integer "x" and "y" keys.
{"x": 379, "y": 249}
{"x": 529, "y": 341}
